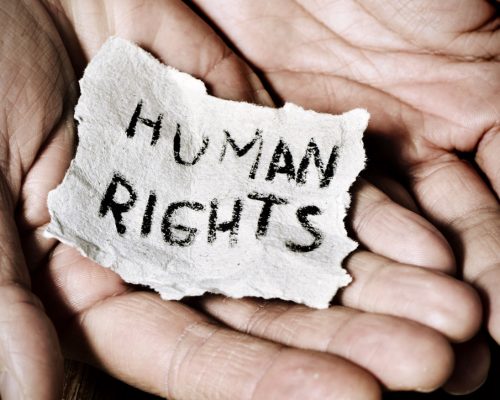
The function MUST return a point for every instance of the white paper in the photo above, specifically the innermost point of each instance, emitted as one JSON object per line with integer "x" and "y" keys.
{"x": 284, "y": 258}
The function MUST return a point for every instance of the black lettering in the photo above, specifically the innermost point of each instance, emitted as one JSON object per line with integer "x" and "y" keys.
{"x": 177, "y": 149}
{"x": 167, "y": 227}
{"x": 325, "y": 174}
{"x": 269, "y": 200}
{"x": 281, "y": 151}
{"x": 302, "y": 214}
{"x": 241, "y": 151}
{"x": 136, "y": 117}
{"x": 148, "y": 215}
{"x": 232, "y": 226}
{"x": 117, "y": 209}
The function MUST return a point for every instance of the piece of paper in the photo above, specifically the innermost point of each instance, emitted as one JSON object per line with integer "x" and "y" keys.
{"x": 187, "y": 193}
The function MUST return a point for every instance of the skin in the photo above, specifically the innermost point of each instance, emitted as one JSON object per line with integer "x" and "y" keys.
{"x": 392, "y": 327}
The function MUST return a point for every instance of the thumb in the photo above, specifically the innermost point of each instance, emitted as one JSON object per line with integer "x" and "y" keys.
{"x": 31, "y": 364}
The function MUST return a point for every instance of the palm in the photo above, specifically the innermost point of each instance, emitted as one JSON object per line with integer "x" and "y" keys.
{"x": 98, "y": 316}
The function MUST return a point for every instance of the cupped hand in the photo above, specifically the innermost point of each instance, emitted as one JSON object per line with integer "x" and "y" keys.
{"x": 393, "y": 325}
{"x": 429, "y": 72}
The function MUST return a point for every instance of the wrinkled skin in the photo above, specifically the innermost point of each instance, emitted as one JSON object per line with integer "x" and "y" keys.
{"x": 431, "y": 86}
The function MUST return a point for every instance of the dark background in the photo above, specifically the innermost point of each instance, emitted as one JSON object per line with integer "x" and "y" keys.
{"x": 87, "y": 383}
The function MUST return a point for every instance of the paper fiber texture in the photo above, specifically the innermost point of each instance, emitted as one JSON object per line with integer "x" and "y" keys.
{"x": 187, "y": 193}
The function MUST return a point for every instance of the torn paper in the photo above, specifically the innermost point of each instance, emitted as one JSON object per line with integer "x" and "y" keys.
{"x": 187, "y": 193}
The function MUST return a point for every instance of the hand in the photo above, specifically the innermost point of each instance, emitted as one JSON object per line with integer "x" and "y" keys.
{"x": 170, "y": 348}
{"x": 428, "y": 72}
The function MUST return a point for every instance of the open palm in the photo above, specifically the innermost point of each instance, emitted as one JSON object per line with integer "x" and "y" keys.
{"x": 213, "y": 349}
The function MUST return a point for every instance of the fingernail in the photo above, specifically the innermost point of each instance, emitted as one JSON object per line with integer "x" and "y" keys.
{"x": 9, "y": 387}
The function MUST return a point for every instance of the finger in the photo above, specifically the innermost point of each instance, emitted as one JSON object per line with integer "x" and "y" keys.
{"x": 430, "y": 298}
{"x": 192, "y": 357}
{"x": 392, "y": 188}
{"x": 71, "y": 283}
{"x": 472, "y": 363}
{"x": 175, "y": 352}
{"x": 401, "y": 354}
{"x": 78, "y": 283}
{"x": 30, "y": 359}
{"x": 487, "y": 156}
{"x": 46, "y": 173}
{"x": 458, "y": 201}
{"x": 393, "y": 231}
